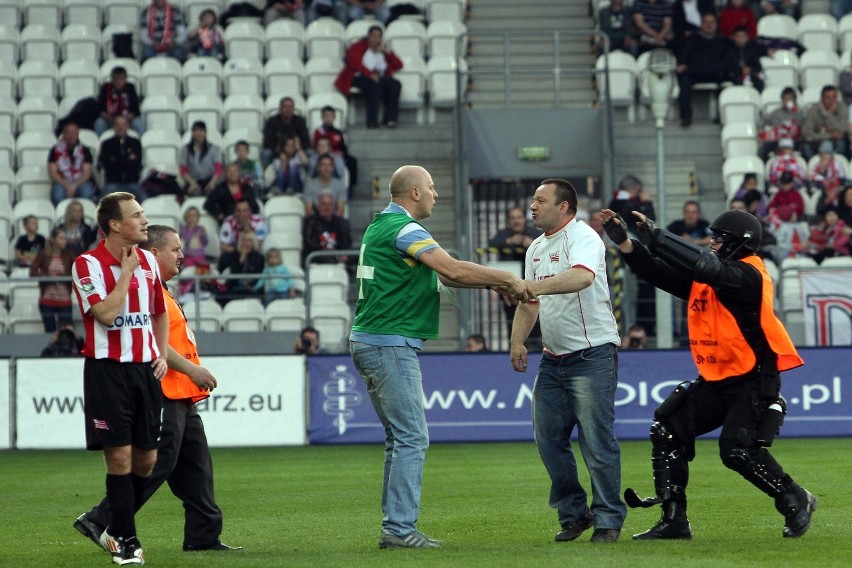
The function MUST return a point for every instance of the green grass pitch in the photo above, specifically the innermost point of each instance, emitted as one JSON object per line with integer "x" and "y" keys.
{"x": 319, "y": 506}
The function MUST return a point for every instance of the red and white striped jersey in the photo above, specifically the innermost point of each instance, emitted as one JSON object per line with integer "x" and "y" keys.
{"x": 130, "y": 338}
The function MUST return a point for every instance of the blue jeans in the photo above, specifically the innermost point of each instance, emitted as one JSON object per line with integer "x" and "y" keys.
{"x": 133, "y": 188}
{"x": 85, "y": 191}
{"x": 395, "y": 385}
{"x": 578, "y": 389}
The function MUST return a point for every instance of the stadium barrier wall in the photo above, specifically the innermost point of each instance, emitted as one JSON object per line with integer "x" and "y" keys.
{"x": 5, "y": 405}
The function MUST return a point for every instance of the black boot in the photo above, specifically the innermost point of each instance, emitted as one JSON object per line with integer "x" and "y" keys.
{"x": 797, "y": 505}
{"x": 672, "y": 525}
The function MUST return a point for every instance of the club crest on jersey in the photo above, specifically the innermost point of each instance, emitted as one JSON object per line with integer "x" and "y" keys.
{"x": 86, "y": 285}
{"x": 554, "y": 257}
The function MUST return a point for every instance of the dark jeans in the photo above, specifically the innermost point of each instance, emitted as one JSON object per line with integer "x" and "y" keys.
{"x": 685, "y": 81}
{"x": 386, "y": 90}
{"x": 54, "y": 316}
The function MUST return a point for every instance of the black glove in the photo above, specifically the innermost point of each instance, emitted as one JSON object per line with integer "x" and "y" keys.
{"x": 616, "y": 229}
{"x": 647, "y": 231}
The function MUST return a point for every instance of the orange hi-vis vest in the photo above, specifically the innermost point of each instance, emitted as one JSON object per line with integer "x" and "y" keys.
{"x": 176, "y": 385}
{"x": 716, "y": 341}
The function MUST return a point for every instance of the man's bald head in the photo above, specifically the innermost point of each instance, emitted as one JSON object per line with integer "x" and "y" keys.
{"x": 405, "y": 178}
{"x": 412, "y": 189}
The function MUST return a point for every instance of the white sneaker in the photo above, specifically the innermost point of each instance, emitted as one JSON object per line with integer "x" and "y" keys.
{"x": 112, "y": 545}
{"x": 132, "y": 553}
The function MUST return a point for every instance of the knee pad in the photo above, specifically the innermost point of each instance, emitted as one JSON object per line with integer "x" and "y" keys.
{"x": 749, "y": 465}
{"x": 736, "y": 459}
{"x": 663, "y": 436}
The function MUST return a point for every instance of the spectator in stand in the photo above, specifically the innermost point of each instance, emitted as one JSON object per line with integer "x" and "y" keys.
{"x": 784, "y": 7}
{"x": 194, "y": 237}
{"x": 230, "y": 191}
{"x": 64, "y": 343}
{"x": 692, "y": 227}
{"x": 30, "y": 243}
{"x": 289, "y": 168}
{"x": 370, "y": 65}
{"x": 378, "y": 9}
{"x": 242, "y": 221}
{"x": 162, "y": 30}
{"x": 291, "y": 9}
{"x": 281, "y": 287}
{"x": 308, "y": 342}
{"x": 200, "y": 162}
{"x": 748, "y": 186}
{"x": 783, "y": 122}
{"x": 324, "y": 231}
{"x": 632, "y": 196}
{"x": 118, "y": 97}
{"x": 476, "y": 343}
{"x": 844, "y": 206}
{"x": 281, "y": 126}
{"x": 54, "y": 300}
{"x": 787, "y": 204}
{"x": 249, "y": 169}
{"x": 69, "y": 165}
{"x": 206, "y": 40}
{"x": 706, "y": 57}
{"x": 828, "y": 175}
{"x": 616, "y": 22}
{"x": 78, "y": 235}
{"x": 829, "y": 237}
{"x": 322, "y": 147}
{"x": 120, "y": 158}
{"x": 635, "y": 338}
{"x": 840, "y": 8}
{"x": 825, "y": 120}
{"x": 653, "y": 21}
{"x": 245, "y": 259}
{"x": 737, "y": 14}
{"x": 748, "y": 56}
{"x": 754, "y": 202}
{"x": 325, "y": 182}
{"x": 786, "y": 161}
{"x": 686, "y": 18}
{"x": 338, "y": 144}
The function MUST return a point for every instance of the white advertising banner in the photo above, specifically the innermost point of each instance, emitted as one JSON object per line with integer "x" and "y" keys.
{"x": 5, "y": 405}
{"x": 260, "y": 401}
{"x": 827, "y": 307}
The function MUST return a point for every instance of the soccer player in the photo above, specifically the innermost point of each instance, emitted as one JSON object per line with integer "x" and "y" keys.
{"x": 120, "y": 293}
{"x": 184, "y": 456}
{"x": 397, "y": 310}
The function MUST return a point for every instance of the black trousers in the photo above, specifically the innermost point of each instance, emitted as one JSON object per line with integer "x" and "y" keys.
{"x": 183, "y": 461}
{"x": 384, "y": 91}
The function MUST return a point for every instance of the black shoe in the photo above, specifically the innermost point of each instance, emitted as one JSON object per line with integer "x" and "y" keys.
{"x": 686, "y": 122}
{"x": 574, "y": 529}
{"x": 673, "y": 525}
{"x": 390, "y": 124}
{"x": 372, "y": 125}
{"x": 605, "y": 535}
{"x": 218, "y": 547}
{"x": 89, "y": 529}
{"x": 797, "y": 506}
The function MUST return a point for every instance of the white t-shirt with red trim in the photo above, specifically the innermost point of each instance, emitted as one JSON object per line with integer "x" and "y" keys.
{"x": 579, "y": 320}
{"x": 130, "y": 338}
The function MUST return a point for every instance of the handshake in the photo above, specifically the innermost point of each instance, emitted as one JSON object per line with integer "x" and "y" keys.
{"x": 517, "y": 292}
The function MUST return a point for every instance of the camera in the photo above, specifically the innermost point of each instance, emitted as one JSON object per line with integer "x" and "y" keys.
{"x": 635, "y": 342}
{"x": 306, "y": 343}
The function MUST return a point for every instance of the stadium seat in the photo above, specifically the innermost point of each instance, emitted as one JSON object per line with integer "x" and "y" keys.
{"x": 739, "y": 103}
{"x": 203, "y": 107}
{"x": 8, "y": 80}
{"x": 622, "y": 76}
{"x": 107, "y": 37}
{"x": 243, "y": 76}
{"x": 205, "y": 315}
{"x": 162, "y": 209}
{"x": 777, "y": 25}
{"x": 817, "y": 31}
{"x": 324, "y": 38}
{"x": 244, "y": 40}
{"x": 818, "y": 68}
{"x": 83, "y": 12}
{"x": 192, "y": 9}
{"x": 7, "y": 196}
{"x": 357, "y": 29}
{"x": 37, "y": 78}
{"x": 124, "y": 12}
{"x": 441, "y": 73}
{"x": 202, "y": 76}
{"x": 327, "y": 284}
{"x": 412, "y": 78}
{"x": 81, "y": 42}
{"x": 406, "y": 38}
{"x": 161, "y": 75}
{"x": 160, "y": 146}
{"x": 810, "y": 96}
{"x": 283, "y": 211}
{"x": 4, "y": 282}
{"x": 162, "y": 112}
{"x": 790, "y": 295}
{"x": 320, "y": 74}
{"x": 10, "y": 40}
{"x": 78, "y": 78}
{"x": 734, "y": 168}
{"x": 7, "y": 152}
{"x": 245, "y": 314}
{"x": 32, "y": 147}
{"x": 134, "y": 72}
{"x": 739, "y": 139}
{"x": 782, "y": 69}
{"x": 284, "y": 75}
{"x": 90, "y": 140}
{"x": 253, "y": 136}
{"x": 90, "y": 211}
{"x": 211, "y": 226}
{"x": 333, "y": 323}
{"x": 24, "y": 318}
{"x": 443, "y": 38}
{"x": 7, "y": 257}
{"x": 243, "y": 110}
{"x": 445, "y": 10}
{"x": 840, "y": 157}
{"x": 318, "y": 100}
{"x": 40, "y": 43}
{"x": 213, "y": 136}
{"x": 844, "y": 31}
{"x": 10, "y": 13}
{"x": 287, "y": 239}
{"x": 285, "y": 38}
{"x": 44, "y": 12}
{"x": 286, "y": 315}
{"x": 837, "y": 262}
{"x": 32, "y": 180}
{"x": 41, "y": 208}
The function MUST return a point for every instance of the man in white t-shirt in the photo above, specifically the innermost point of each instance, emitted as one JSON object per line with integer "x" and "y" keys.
{"x": 577, "y": 377}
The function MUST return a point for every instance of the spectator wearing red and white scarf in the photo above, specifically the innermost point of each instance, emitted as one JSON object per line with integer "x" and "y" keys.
{"x": 69, "y": 165}
{"x": 785, "y": 161}
{"x": 828, "y": 175}
{"x": 118, "y": 97}
{"x": 162, "y": 30}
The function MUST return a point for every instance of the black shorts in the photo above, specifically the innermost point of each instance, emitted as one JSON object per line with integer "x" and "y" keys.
{"x": 123, "y": 404}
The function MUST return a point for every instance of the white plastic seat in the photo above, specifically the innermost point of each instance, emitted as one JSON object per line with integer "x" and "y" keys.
{"x": 78, "y": 78}
{"x": 161, "y": 75}
{"x": 192, "y": 9}
{"x": 124, "y": 12}
{"x": 441, "y": 74}
{"x": 284, "y": 75}
{"x": 162, "y": 209}
{"x": 818, "y": 68}
{"x": 25, "y": 318}
{"x": 38, "y": 78}
{"x": 160, "y": 146}
{"x": 320, "y": 74}
{"x": 735, "y": 167}
{"x": 324, "y": 38}
{"x": 7, "y": 154}
{"x": 445, "y": 10}
{"x": 739, "y": 139}
{"x": 781, "y": 69}
{"x": 777, "y": 25}
{"x": 42, "y": 209}
{"x": 162, "y": 112}
{"x": 8, "y": 115}
{"x": 739, "y": 103}
{"x": 412, "y": 78}
{"x": 202, "y": 76}
{"x": 245, "y": 314}
{"x": 89, "y": 139}
{"x": 8, "y": 80}
{"x": 37, "y": 114}
{"x": 32, "y": 147}
{"x": 32, "y": 180}
{"x": 10, "y": 13}
{"x": 40, "y": 42}
{"x": 318, "y": 100}
{"x": 85, "y": 12}
{"x": 134, "y": 72}
{"x": 810, "y": 96}
{"x": 243, "y": 111}
{"x": 286, "y": 315}
{"x": 285, "y": 38}
{"x": 81, "y": 42}
{"x": 333, "y": 323}
{"x": 213, "y": 137}
{"x": 7, "y": 198}
{"x": 622, "y": 77}
{"x": 253, "y": 136}
{"x": 406, "y": 38}
{"x": 837, "y": 262}
{"x": 357, "y": 29}
{"x": 844, "y": 31}
{"x": 243, "y": 76}
{"x": 327, "y": 284}
{"x": 283, "y": 211}
{"x": 44, "y": 12}
{"x": 443, "y": 38}
{"x": 287, "y": 239}
{"x": 817, "y": 31}
{"x": 244, "y": 40}
{"x": 10, "y": 40}
{"x": 204, "y": 107}
{"x": 770, "y": 98}
{"x": 839, "y": 157}
{"x": 208, "y": 312}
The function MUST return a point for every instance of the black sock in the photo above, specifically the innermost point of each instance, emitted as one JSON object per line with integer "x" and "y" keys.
{"x": 138, "y": 490}
{"x": 119, "y": 490}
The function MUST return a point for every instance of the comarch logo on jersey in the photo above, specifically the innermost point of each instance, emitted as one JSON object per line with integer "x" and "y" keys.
{"x": 134, "y": 319}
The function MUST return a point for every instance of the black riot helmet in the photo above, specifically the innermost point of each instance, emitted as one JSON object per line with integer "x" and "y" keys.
{"x": 739, "y": 232}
